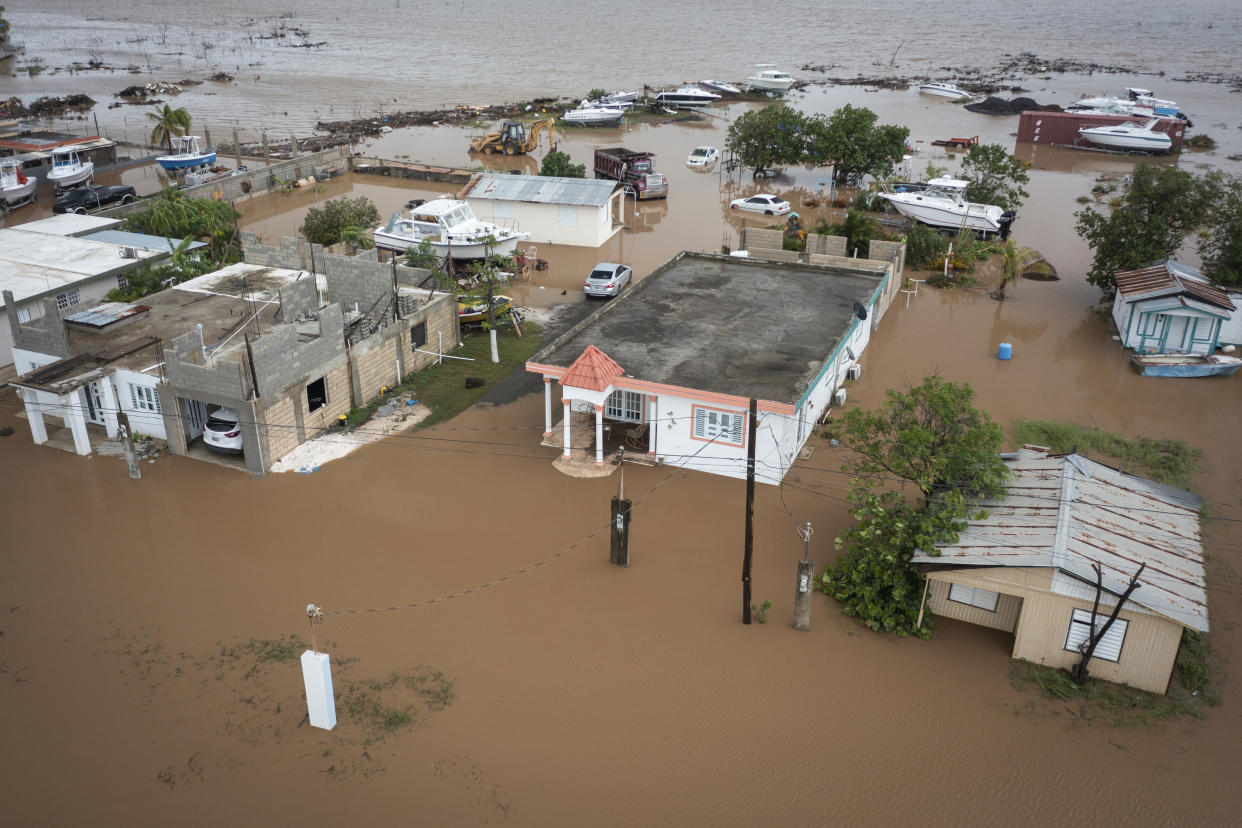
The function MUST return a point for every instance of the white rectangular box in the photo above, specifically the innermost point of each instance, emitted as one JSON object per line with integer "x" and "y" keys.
{"x": 320, "y": 702}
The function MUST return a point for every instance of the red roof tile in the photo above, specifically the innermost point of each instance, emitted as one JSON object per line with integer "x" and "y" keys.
{"x": 594, "y": 370}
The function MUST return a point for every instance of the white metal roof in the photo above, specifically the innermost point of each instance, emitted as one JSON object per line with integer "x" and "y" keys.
{"x": 542, "y": 189}
{"x": 1068, "y": 512}
{"x": 39, "y": 264}
{"x": 71, "y": 224}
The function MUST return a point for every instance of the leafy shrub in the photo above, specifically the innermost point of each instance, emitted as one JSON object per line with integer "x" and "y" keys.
{"x": 326, "y": 225}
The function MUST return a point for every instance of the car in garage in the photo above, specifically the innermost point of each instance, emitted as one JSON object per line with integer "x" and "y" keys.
{"x": 223, "y": 432}
{"x": 766, "y": 203}
{"x": 91, "y": 197}
{"x": 607, "y": 279}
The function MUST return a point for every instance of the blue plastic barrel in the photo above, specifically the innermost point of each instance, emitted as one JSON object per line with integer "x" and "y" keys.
{"x": 1004, "y": 351}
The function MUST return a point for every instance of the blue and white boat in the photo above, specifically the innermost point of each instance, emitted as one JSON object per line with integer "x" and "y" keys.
{"x": 188, "y": 155}
{"x": 1184, "y": 365}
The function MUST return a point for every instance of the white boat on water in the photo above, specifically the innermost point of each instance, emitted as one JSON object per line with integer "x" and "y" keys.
{"x": 187, "y": 155}
{"x": 1133, "y": 137}
{"x": 1112, "y": 106}
{"x": 943, "y": 204}
{"x": 594, "y": 113}
{"x": 16, "y": 188}
{"x": 68, "y": 169}
{"x": 720, "y": 86}
{"x": 451, "y": 228}
{"x": 1133, "y": 97}
{"x": 768, "y": 79}
{"x": 687, "y": 97}
{"x": 944, "y": 90}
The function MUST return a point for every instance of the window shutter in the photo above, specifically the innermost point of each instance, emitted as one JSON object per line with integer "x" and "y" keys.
{"x": 133, "y": 396}
{"x": 700, "y": 419}
{"x": 500, "y": 210}
{"x": 1109, "y": 647}
{"x": 567, "y": 216}
{"x": 738, "y": 419}
{"x": 984, "y": 599}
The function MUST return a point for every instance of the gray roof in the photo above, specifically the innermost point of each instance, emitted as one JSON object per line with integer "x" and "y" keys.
{"x": 143, "y": 240}
{"x": 1067, "y": 512}
{"x": 743, "y": 327}
{"x": 542, "y": 189}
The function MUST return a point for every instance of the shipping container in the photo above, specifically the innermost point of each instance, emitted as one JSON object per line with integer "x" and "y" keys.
{"x": 1061, "y": 128}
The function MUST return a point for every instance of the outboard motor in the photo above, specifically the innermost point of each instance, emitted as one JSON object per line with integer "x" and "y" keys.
{"x": 1006, "y": 221}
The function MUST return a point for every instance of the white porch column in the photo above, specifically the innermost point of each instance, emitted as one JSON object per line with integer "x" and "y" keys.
{"x": 75, "y": 419}
{"x": 599, "y": 435}
{"x": 566, "y": 452}
{"x": 111, "y": 406}
{"x": 34, "y": 416}
{"x": 653, "y": 425}
{"x": 547, "y": 406}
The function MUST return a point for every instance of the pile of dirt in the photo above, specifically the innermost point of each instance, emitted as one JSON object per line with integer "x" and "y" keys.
{"x": 47, "y": 107}
{"x": 1000, "y": 106}
{"x": 13, "y": 108}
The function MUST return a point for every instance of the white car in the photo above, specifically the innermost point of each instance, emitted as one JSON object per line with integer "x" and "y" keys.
{"x": 702, "y": 156}
{"x": 223, "y": 432}
{"x": 765, "y": 203}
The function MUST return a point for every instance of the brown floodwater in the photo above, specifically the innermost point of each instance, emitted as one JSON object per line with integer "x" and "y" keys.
{"x": 585, "y": 694}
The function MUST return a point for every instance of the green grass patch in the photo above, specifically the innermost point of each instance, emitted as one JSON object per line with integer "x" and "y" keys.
{"x": 1194, "y": 668}
{"x": 1104, "y": 701}
{"x": 1171, "y": 462}
{"x": 382, "y": 707}
{"x": 433, "y": 686}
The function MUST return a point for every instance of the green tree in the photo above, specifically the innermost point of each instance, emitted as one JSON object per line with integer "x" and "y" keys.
{"x": 176, "y": 215}
{"x": 169, "y": 124}
{"x": 854, "y": 145}
{"x": 559, "y": 165}
{"x": 931, "y": 435}
{"x": 858, "y": 229}
{"x": 924, "y": 245}
{"x": 358, "y": 238}
{"x": 326, "y": 225}
{"x": 768, "y": 137}
{"x": 1220, "y": 246}
{"x": 1148, "y": 224}
{"x": 183, "y": 266}
{"x": 994, "y": 176}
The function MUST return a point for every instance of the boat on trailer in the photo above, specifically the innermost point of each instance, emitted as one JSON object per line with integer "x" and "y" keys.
{"x": 594, "y": 113}
{"x": 188, "y": 155}
{"x": 450, "y": 227}
{"x": 69, "y": 170}
{"x": 16, "y": 188}
{"x": 1184, "y": 365}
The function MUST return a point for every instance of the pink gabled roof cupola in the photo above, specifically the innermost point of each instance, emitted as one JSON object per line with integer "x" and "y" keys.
{"x": 594, "y": 370}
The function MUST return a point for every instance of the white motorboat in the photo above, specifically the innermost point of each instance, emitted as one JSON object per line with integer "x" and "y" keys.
{"x": 1111, "y": 106}
{"x": 768, "y": 79}
{"x": 451, "y": 228}
{"x": 943, "y": 204}
{"x": 591, "y": 113}
{"x": 720, "y": 86}
{"x": 1135, "y": 101}
{"x": 16, "y": 188}
{"x": 187, "y": 155}
{"x": 68, "y": 169}
{"x": 1133, "y": 136}
{"x": 944, "y": 90}
{"x": 687, "y": 97}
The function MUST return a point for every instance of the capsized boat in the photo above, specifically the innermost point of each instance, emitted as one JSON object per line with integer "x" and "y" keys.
{"x": 943, "y": 204}
{"x": 16, "y": 188}
{"x": 451, "y": 228}
{"x": 1184, "y": 365}
{"x": 591, "y": 113}
{"x": 187, "y": 154}
{"x": 768, "y": 79}
{"x": 944, "y": 90}
{"x": 619, "y": 98}
{"x": 68, "y": 169}
{"x": 720, "y": 86}
{"x": 687, "y": 97}
{"x": 1134, "y": 136}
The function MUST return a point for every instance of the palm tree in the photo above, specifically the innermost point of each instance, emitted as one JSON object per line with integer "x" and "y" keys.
{"x": 169, "y": 123}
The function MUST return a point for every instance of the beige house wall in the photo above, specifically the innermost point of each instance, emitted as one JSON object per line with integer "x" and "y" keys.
{"x": 1043, "y": 620}
{"x": 290, "y": 422}
{"x": 1005, "y": 617}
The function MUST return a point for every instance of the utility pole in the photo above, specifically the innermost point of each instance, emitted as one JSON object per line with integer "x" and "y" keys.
{"x": 802, "y": 596}
{"x": 619, "y": 552}
{"x": 1079, "y": 672}
{"x": 750, "y": 511}
{"x": 127, "y": 446}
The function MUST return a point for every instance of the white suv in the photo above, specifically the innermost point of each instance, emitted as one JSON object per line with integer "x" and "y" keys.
{"x": 223, "y": 433}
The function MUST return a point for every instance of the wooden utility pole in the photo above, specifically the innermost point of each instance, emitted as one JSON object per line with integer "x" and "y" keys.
{"x": 750, "y": 510}
{"x": 1079, "y": 672}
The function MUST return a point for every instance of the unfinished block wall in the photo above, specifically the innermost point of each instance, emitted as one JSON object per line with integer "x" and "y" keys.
{"x": 46, "y": 335}
{"x": 281, "y": 360}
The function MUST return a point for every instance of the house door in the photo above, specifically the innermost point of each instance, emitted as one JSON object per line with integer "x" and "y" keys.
{"x": 195, "y": 418}
{"x": 626, "y": 406}
{"x": 94, "y": 404}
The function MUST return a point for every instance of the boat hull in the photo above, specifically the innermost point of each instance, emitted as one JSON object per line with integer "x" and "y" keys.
{"x": 984, "y": 220}
{"x": 684, "y": 102}
{"x": 944, "y": 92}
{"x": 1185, "y": 366}
{"x": 765, "y": 85}
{"x": 20, "y": 192}
{"x": 185, "y": 162}
{"x": 69, "y": 176}
{"x": 459, "y": 251}
{"x": 1130, "y": 143}
{"x": 595, "y": 118}
{"x": 720, "y": 86}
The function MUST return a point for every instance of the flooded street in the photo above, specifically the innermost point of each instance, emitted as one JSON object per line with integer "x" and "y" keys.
{"x": 146, "y": 627}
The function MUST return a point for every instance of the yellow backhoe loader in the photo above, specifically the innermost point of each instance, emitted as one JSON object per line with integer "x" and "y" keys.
{"x": 515, "y": 137}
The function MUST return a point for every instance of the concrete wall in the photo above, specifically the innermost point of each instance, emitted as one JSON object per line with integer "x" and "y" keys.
{"x": 388, "y": 356}
{"x": 821, "y": 245}
{"x": 281, "y": 360}
{"x": 286, "y": 421}
{"x": 44, "y": 333}
{"x": 298, "y": 299}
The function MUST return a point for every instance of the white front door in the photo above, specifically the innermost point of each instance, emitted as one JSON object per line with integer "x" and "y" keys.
{"x": 195, "y": 418}
{"x": 94, "y": 404}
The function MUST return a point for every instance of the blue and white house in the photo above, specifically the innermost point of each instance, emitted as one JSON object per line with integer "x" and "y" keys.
{"x": 1170, "y": 308}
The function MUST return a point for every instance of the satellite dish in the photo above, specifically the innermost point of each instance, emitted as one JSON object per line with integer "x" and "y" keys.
{"x": 859, "y": 310}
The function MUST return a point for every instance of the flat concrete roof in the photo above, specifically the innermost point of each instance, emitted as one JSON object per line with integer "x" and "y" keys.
{"x": 243, "y": 280}
{"x": 71, "y": 224}
{"x": 38, "y": 264}
{"x": 725, "y": 325}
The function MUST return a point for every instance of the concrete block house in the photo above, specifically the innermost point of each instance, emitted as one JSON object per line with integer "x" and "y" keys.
{"x": 1027, "y": 568}
{"x": 674, "y": 362}
{"x": 575, "y": 211}
{"x": 255, "y": 336}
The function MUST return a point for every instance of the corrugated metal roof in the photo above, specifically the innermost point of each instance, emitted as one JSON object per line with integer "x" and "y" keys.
{"x": 1068, "y": 512}
{"x": 1169, "y": 277}
{"x": 106, "y": 314}
{"x": 591, "y": 192}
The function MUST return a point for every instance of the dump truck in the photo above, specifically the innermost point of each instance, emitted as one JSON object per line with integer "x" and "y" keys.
{"x": 515, "y": 137}
{"x": 634, "y": 169}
